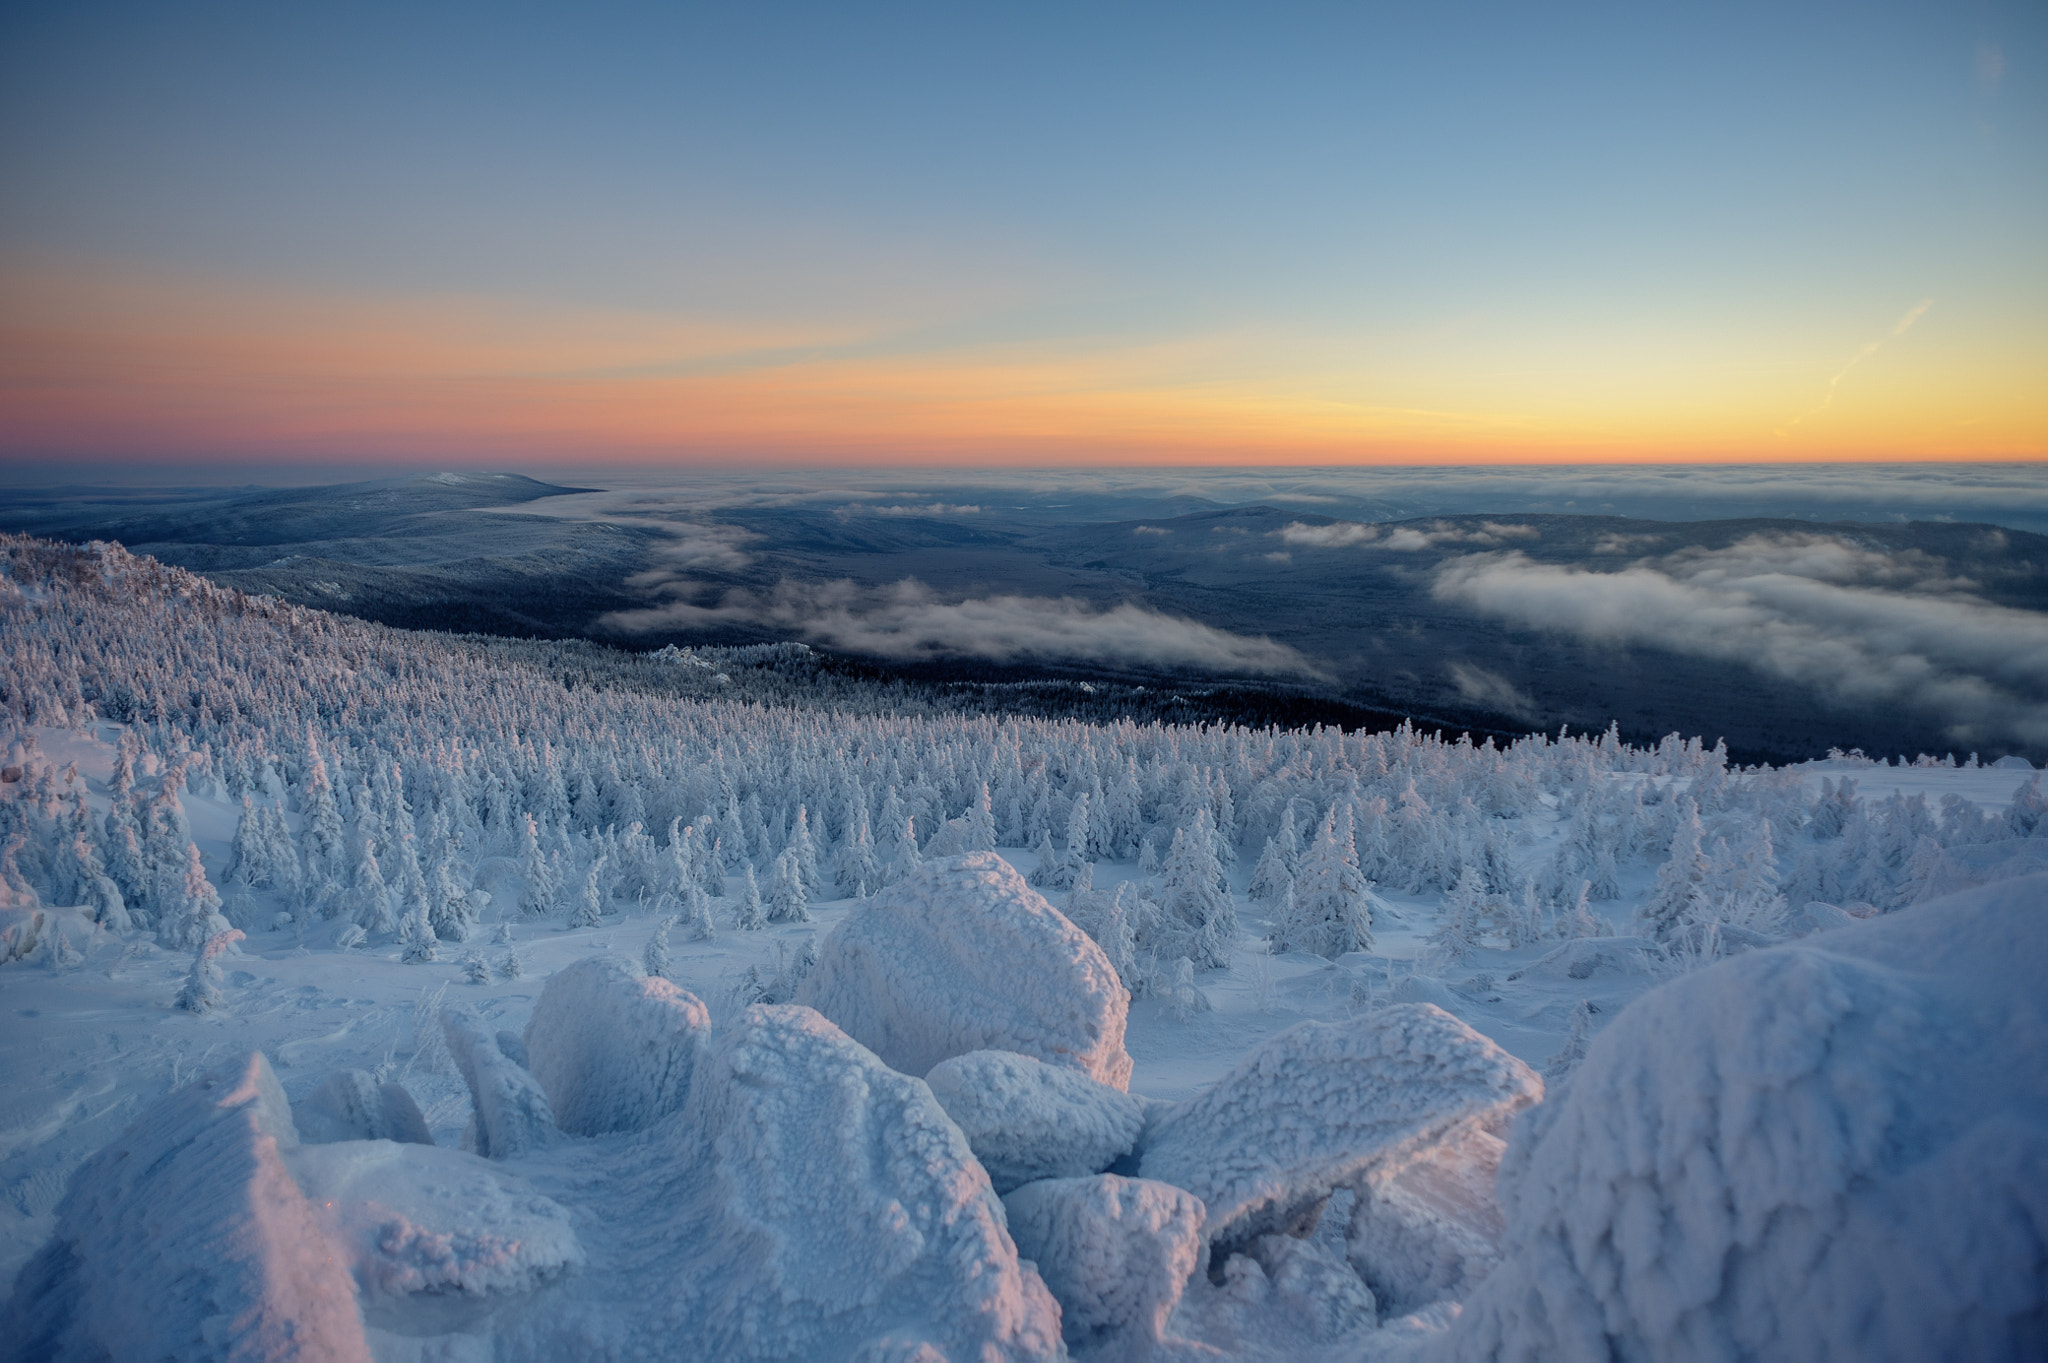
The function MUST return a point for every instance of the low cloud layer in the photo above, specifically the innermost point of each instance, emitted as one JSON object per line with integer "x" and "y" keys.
{"x": 1858, "y": 626}
{"x": 1408, "y": 538}
{"x": 908, "y": 621}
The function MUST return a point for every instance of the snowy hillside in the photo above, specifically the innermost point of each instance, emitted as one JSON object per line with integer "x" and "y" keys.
{"x": 385, "y": 994}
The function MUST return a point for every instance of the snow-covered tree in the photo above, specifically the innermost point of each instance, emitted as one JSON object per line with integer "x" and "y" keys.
{"x": 654, "y": 958}
{"x": 194, "y": 917}
{"x": 1332, "y": 910}
{"x": 202, "y": 986}
{"x": 787, "y": 901}
{"x": 748, "y": 914}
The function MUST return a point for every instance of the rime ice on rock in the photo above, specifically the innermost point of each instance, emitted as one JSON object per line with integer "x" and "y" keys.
{"x": 961, "y": 955}
{"x": 1431, "y": 1229}
{"x": 350, "y": 1105}
{"x": 613, "y": 1048}
{"x": 1322, "y": 1106}
{"x": 1028, "y": 1120}
{"x": 414, "y": 1218}
{"x": 187, "y": 1238}
{"x": 512, "y": 1112}
{"x": 1834, "y": 1149}
{"x": 833, "y": 1203}
{"x": 1117, "y": 1252}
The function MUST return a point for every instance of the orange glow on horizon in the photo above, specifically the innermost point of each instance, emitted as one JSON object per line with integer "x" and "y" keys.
{"x": 100, "y": 362}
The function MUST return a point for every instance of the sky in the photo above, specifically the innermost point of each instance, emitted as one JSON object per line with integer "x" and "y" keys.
{"x": 282, "y": 235}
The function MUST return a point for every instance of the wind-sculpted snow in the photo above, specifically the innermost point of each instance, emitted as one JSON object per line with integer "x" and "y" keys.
{"x": 613, "y": 1048}
{"x": 414, "y": 1219}
{"x": 830, "y": 1203}
{"x": 350, "y": 1105}
{"x": 1028, "y": 1120}
{"x": 963, "y": 956}
{"x": 511, "y": 1111}
{"x": 187, "y": 1239}
{"x": 1834, "y": 1150}
{"x": 1116, "y": 1252}
{"x": 1326, "y": 1104}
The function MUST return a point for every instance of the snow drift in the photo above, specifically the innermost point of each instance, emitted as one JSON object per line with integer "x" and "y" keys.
{"x": 187, "y": 1238}
{"x": 1832, "y": 1150}
{"x": 613, "y": 1048}
{"x": 1323, "y": 1105}
{"x": 962, "y": 955}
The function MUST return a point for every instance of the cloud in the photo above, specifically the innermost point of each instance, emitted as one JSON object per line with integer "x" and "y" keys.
{"x": 1493, "y": 692}
{"x": 1857, "y": 626}
{"x": 1346, "y": 534}
{"x": 1335, "y": 535}
{"x": 908, "y": 621}
{"x": 925, "y": 509}
{"x": 693, "y": 548}
{"x": 1151, "y": 530}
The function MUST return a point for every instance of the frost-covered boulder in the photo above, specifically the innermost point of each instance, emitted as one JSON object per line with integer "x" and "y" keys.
{"x": 1835, "y": 1149}
{"x": 416, "y": 1219}
{"x": 1324, "y": 1292}
{"x": 1027, "y": 1120}
{"x": 187, "y": 1238}
{"x": 1582, "y": 958}
{"x": 613, "y": 1047}
{"x": 1324, "y": 1104}
{"x": 512, "y": 1112}
{"x": 961, "y": 955}
{"x": 827, "y": 1203}
{"x": 350, "y": 1105}
{"x": 1429, "y": 1230}
{"x": 1117, "y": 1252}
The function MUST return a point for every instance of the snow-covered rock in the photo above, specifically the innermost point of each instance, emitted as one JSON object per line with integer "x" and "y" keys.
{"x": 417, "y": 1219}
{"x": 1117, "y": 1252}
{"x": 613, "y": 1047}
{"x": 1027, "y": 1120}
{"x": 512, "y": 1111}
{"x": 1429, "y": 1230}
{"x": 187, "y": 1238}
{"x": 821, "y": 1201}
{"x": 350, "y": 1105}
{"x": 1322, "y": 1288}
{"x": 1836, "y": 1149}
{"x": 1322, "y": 1106}
{"x": 961, "y": 955}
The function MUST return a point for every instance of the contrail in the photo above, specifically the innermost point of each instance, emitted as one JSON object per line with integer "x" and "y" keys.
{"x": 1900, "y": 328}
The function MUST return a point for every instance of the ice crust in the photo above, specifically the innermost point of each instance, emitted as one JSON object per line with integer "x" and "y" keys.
{"x": 187, "y": 1239}
{"x": 1832, "y": 1150}
{"x": 1116, "y": 1252}
{"x": 961, "y": 955}
{"x": 1322, "y": 1106}
{"x": 512, "y": 1111}
{"x": 612, "y": 1047}
{"x": 350, "y": 1105}
{"x": 414, "y": 1219}
{"x": 1027, "y": 1120}
{"x": 826, "y": 1202}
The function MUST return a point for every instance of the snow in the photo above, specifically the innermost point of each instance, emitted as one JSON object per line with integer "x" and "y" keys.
{"x": 962, "y": 955}
{"x": 819, "y": 1199}
{"x": 418, "y": 1219}
{"x": 1116, "y": 1252}
{"x": 1429, "y": 1231}
{"x": 1835, "y": 1149}
{"x": 1325, "y": 1104}
{"x": 1027, "y": 1120}
{"x": 351, "y": 1105}
{"x": 187, "y": 1238}
{"x": 511, "y": 1112}
{"x": 613, "y": 1048}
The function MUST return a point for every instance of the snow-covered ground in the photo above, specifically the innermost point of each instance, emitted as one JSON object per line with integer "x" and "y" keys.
{"x": 1532, "y": 895}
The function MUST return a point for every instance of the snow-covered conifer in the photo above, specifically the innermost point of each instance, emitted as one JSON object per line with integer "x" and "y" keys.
{"x": 905, "y": 857}
{"x": 202, "y": 985}
{"x": 1272, "y": 876}
{"x": 1678, "y": 897}
{"x": 748, "y": 914}
{"x": 194, "y": 916}
{"x": 1193, "y": 894}
{"x": 1332, "y": 911}
{"x": 654, "y": 958}
{"x": 1461, "y": 918}
{"x": 418, "y": 934}
{"x": 787, "y": 901}
{"x": 805, "y": 851}
{"x": 475, "y": 970}
{"x": 1183, "y": 999}
{"x": 1574, "y": 1049}
{"x": 860, "y": 870}
{"x": 541, "y": 891}
{"x": 1048, "y": 873}
{"x": 590, "y": 903}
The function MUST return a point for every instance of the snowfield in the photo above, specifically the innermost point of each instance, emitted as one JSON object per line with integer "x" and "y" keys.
{"x": 399, "y": 996}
